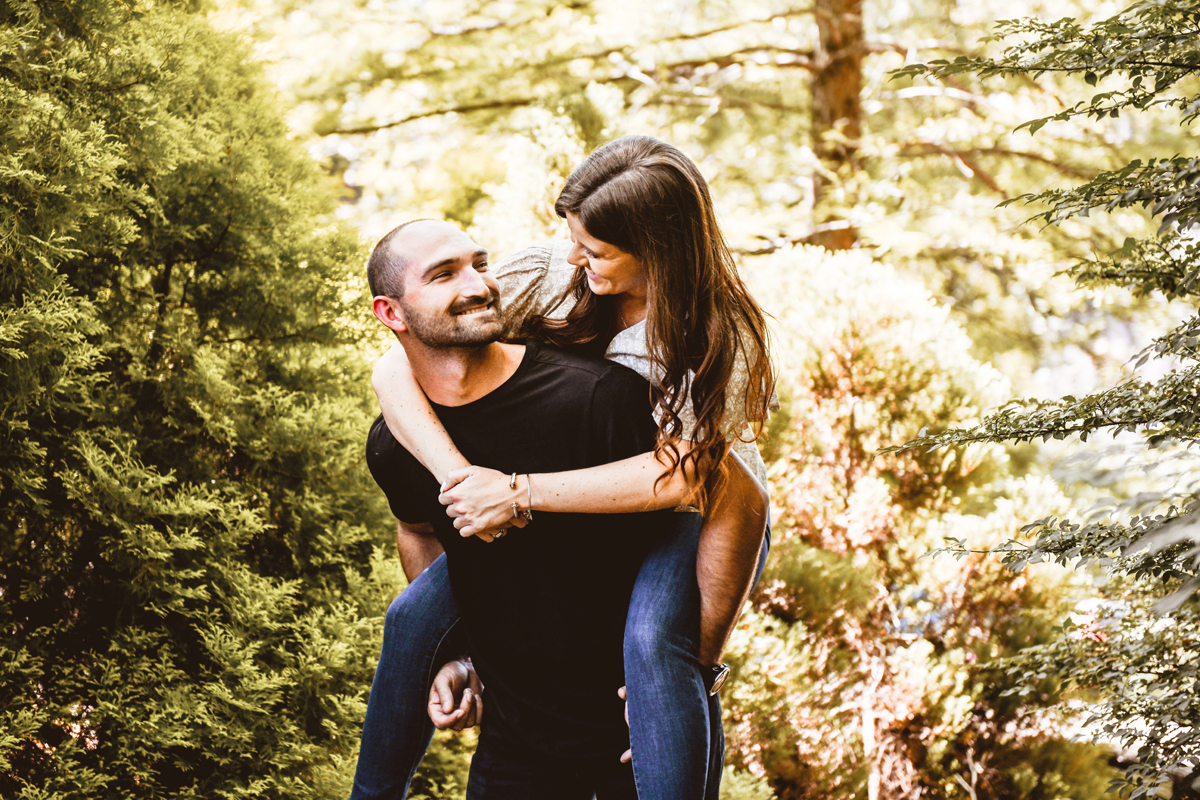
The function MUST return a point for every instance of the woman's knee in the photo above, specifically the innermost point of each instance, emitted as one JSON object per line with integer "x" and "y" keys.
{"x": 662, "y": 631}
{"x": 419, "y": 616}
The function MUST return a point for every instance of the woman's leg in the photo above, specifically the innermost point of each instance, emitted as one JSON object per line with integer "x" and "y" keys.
{"x": 417, "y": 640}
{"x": 669, "y": 726}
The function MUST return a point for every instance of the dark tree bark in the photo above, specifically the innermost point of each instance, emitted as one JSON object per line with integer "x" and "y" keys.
{"x": 836, "y": 110}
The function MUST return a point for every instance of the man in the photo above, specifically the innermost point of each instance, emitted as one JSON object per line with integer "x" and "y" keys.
{"x": 543, "y": 607}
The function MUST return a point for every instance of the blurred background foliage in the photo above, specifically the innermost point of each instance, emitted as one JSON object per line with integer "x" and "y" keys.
{"x": 864, "y": 209}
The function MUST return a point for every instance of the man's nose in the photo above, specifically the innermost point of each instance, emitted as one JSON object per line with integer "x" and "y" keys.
{"x": 473, "y": 285}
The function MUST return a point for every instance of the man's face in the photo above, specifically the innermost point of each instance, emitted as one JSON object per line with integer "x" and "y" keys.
{"x": 450, "y": 298}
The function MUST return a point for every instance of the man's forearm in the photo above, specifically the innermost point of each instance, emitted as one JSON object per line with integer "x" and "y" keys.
{"x": 727, "y": 559}
{"x": 417, "y": 546}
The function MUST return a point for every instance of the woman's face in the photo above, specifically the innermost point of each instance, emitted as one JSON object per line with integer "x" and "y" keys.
{"x": 610, "y": 270}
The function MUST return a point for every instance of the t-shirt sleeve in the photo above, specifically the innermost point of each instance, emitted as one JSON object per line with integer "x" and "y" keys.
{"x": 535, "y": 282}
{"x": 622, "y": 419}
{"x": 397, "y": 473}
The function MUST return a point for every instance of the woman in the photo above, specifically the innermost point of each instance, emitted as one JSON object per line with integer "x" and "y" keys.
{"x": 648, "y": 281}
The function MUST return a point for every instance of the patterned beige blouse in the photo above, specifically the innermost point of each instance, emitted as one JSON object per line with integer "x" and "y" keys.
{"x": 537, "y": 280}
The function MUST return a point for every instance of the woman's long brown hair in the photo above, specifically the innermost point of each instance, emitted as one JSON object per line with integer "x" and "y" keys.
{"x": 647, "y": 198}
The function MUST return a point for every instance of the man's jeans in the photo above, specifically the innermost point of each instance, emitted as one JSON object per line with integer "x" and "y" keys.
{"x": 675, "y": 729}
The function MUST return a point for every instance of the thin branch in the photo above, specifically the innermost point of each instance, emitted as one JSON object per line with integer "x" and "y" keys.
{"x": 1124, "y": 66}
{"x": 673, "y": 100}
{"x": 980, "y": 173}
{"x": 461, "y": 109}
{"x": 599, "y": 55}
{"x": 780, "y": 242}
{"x": 799, "y": 59}
{"x": 684, "y": 37}
{"x": 932, "y": 148}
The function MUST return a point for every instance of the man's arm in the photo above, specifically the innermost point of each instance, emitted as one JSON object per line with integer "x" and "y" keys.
{"x": 456, "y": 696}
{"x": 418, "y": 547}
{"x": 727, "y": 558}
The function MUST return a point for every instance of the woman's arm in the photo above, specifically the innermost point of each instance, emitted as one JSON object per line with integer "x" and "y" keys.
{"x": 481, "y": 499}
{"x": 730, "y": 541}
{"x": 421, "y": 432}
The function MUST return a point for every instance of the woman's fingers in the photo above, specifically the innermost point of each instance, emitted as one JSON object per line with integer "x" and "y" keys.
{"x": 477, "y": 524}
{"x": 456, "y": 476}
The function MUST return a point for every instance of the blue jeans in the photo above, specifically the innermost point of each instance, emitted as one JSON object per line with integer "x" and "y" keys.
{"x": 675, "y": 729}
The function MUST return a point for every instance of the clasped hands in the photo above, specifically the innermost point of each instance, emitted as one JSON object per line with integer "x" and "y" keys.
{"x": 481, "y": 502}
{"x": 456, "y": 698}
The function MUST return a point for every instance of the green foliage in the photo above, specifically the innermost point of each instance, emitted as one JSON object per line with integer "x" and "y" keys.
{"x": 478, "y": 111}
{"x": 184, "y": 546}
{"x": 865, "y": 668}
{"x": 1141, "y": 664}
{"x": 740, "y": 785}
{"x": 444, "y": 770}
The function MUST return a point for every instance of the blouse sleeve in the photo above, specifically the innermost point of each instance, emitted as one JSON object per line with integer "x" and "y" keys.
{"x": 535, "y": 282}
{"x": 734, "y": 424}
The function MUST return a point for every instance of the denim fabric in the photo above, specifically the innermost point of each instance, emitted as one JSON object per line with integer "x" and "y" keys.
{"x": 418, "y": 637}
{"x": 677, "y": 742}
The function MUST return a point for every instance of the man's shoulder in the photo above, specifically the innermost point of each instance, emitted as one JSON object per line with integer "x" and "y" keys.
{"x": 585, "y": 367}
{"x": 382, "y": 447}
{"x": 379, "y": 437}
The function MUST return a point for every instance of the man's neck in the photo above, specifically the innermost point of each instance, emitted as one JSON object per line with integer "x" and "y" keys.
{"x": 460, "y": 375}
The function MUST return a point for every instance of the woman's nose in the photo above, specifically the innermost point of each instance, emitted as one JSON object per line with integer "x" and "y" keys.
{"x": 576, "y": 257}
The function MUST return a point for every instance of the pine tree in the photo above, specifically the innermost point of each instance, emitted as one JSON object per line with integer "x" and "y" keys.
{"x": 1136, "y": 650}
{"x": 191, "y": 570}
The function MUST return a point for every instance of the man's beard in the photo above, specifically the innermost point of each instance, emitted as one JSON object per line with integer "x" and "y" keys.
{"x": 456, "y": 327}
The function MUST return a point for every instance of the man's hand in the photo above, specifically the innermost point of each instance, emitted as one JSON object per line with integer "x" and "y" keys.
{"x": 628, "y": 754}
{"x": 456, "y": 697}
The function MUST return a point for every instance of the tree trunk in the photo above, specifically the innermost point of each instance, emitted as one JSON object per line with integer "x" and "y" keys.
{"x": 837, "y": 117}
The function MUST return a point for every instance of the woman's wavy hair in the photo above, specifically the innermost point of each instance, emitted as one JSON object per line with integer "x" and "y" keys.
{"x": 647, "y": 198}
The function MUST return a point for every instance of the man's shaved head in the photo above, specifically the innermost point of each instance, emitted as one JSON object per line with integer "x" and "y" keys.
{"x": 434, "y": 279}
{"x": 388, "y": 263}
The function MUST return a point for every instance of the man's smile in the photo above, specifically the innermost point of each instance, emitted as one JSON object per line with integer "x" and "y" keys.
{"x": 488, "y": 306}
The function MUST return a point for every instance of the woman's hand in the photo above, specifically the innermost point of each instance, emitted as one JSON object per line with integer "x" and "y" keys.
{"x": 481, "y": 501}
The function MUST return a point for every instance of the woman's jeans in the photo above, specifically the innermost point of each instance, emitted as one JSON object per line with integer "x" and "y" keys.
{"x": 675, "y": 728}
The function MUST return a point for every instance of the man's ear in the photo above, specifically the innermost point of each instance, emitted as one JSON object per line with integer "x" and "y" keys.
{"x": 389, "y": 312}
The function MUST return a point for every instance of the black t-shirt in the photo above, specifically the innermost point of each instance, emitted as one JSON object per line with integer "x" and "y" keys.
{"x": 544, "y": 608}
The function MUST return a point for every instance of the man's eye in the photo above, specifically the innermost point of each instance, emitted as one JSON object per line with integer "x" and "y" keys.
{"x": 441, "y": 276}
{"x": 481, "y": 266}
